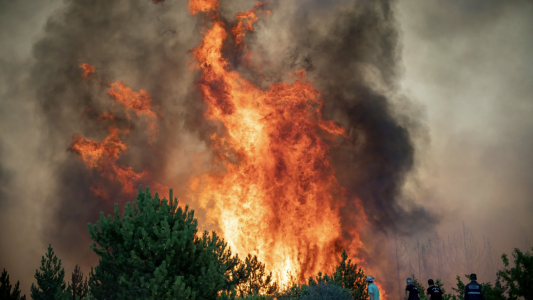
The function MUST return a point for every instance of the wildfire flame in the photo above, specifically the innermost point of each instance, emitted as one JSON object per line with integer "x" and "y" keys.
{"x": 87, "y": 69}
{"x": 103, "y": 155}
{"x": 277, "y": 195}
{"x": 273, "y": 186}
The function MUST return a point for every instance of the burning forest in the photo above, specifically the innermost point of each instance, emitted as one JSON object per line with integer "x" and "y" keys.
{"x": 271, "y": 179}
{"x": 279, "y": 130}
{"x": 303, "y": 147}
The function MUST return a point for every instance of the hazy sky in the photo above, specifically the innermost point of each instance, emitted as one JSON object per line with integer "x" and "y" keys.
{"x": 467, "y": 69}
{"x": 470, "y": 66}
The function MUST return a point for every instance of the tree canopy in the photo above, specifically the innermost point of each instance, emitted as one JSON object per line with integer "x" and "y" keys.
{"x": 154, "y": 251}
{"x": 5, "y": 288}
{"x": 50, "y": 279}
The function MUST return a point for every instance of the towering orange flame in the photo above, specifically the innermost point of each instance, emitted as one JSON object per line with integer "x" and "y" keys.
{"x": 276, "y": 195}
{"x": 273, "y": 187}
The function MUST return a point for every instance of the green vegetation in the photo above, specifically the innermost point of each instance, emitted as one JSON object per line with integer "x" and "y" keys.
{"x": 50, "y": 279}
{"x": 153, "y": 250}
{"x": 5, "y": 288}
{"x": 519, "y": 279}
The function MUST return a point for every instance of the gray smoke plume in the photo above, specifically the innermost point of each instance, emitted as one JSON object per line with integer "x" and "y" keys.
{"x": 145, "y": 45}
{"x": 351, "y": 50}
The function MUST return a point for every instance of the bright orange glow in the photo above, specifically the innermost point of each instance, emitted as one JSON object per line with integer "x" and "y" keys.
{"x": 271, "y": 188}
{"x": 138, "y": 102}
{"x": 103, "y": 155}
{"x": 382, "y": 294}
{"x": 245, "y": 22}
{"x": 87, "y": 69}
{"x": 276, "y": 196}
{"x": 196, "y": 6}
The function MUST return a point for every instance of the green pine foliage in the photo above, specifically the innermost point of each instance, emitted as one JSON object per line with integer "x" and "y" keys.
{"x": 294, "y": 292}
{"x": 519, "y": 279}
{"x": 326, "y": 291}
{"x": 154, "y": 251}
{"x": 347, "y": 282}
{"x": 79, "y": 288}
{"x": 349, "y": 277}
{"x": 5, "y": 288}
{"x": 459, "y": 289}
{"x": 258, "y": 282}
{"x": 50, "y": 279}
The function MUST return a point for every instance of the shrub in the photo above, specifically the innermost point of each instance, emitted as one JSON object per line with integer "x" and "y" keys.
{"x": 326, "y": 291}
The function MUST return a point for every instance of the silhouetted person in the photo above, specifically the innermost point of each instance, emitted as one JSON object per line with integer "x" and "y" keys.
{"x": 473, "y": 289}
{"x": 411, "y": 291}
{"x": 373, "y": 291}
{"x": 434, "y": 292}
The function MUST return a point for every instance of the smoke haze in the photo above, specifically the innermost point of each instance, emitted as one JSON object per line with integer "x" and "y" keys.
{"x": 435, "y": 96}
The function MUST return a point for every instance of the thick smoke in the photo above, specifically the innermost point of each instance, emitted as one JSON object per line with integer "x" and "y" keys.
{"x": 350, "y": 49}
{"x": 146, "y": 46}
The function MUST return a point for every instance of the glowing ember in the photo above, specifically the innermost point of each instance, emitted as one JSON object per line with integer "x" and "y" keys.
{"x": 87, "y": 70}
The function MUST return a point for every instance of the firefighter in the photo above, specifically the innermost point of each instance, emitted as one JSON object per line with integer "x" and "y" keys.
{"x": 411, "y": 291}
{"x": 373, "y": 291}
{"x": 434, "y": 292}
{"x": 473, "y": 289}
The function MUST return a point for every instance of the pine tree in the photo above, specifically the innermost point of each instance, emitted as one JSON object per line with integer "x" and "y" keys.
{"x": 348, "y": 276}
{"x": 79, "y": 288}
{"x": 50, "y": 280}
{"x": 258, "y": 282}
{"x": 5, "y": 289}
{"x": 154, "y": 252}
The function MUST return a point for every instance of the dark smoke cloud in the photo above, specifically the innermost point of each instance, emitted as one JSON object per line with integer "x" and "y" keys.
{"x": 138, "y": 42}
{"x": 146, "y": 46}
{"x": 351, "y": 50}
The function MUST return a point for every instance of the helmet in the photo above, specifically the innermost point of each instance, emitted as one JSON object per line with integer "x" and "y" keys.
{"x": 409, "y": 280}
{"x": 370, "y": 279}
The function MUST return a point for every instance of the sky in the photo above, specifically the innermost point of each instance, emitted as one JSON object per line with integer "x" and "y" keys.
{"x": 461, "y": 84}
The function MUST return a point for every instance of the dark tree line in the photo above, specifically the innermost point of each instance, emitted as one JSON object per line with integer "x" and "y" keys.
{"x": 153, "y": 250}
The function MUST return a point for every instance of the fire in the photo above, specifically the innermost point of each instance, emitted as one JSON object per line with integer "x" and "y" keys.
{"x": 272, "y": 184}
{"x": 245, "y": 21}
{"x": 138, "y": 102}
{"x": 87, "y": 70}
{"x": 276, "y": 195}
{"x": 103, "y": 155}
{"x": 382, "y": 294}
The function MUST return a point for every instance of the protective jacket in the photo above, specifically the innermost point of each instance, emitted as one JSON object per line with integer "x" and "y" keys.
{"x": 413, "y": 292}
{"x": 473, "y": 291}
